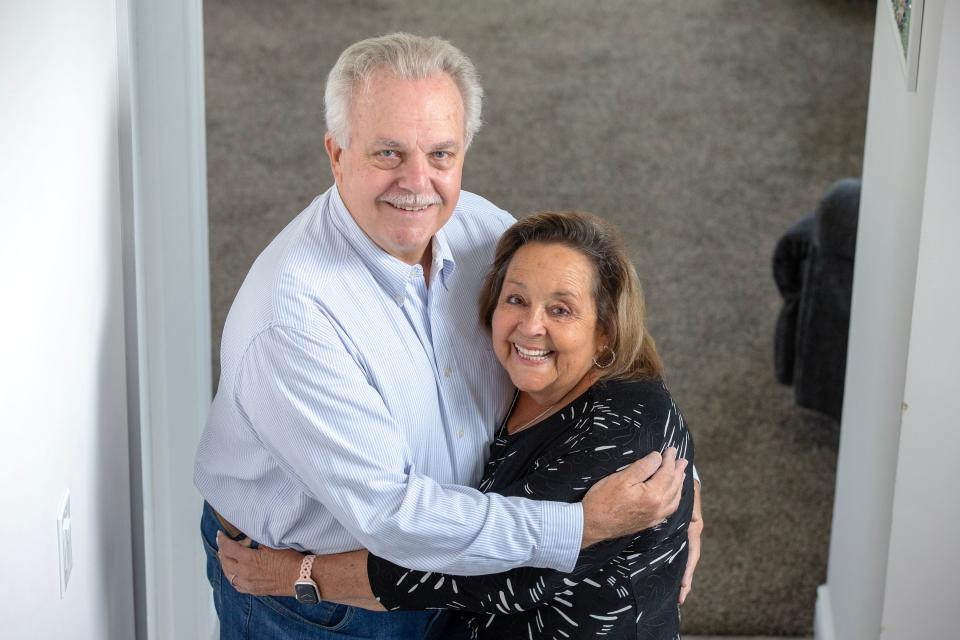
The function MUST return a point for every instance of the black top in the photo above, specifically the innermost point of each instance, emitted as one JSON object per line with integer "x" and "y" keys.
{"x": 623, "y": 588}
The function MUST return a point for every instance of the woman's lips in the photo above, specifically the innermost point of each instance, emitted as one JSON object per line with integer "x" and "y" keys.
{"x": 531, "y": 354}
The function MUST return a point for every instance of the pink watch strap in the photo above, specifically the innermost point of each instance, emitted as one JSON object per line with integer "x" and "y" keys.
{"x": 306, "y": 567}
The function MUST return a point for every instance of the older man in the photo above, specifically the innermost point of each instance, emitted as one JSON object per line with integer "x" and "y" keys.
{"x": 358, "y": 393}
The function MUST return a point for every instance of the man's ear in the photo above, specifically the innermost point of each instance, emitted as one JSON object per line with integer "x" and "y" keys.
{"x": 333, "y": 152}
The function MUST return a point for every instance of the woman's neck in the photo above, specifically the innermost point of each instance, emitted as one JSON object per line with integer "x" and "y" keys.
{"x": 533, "y": 408}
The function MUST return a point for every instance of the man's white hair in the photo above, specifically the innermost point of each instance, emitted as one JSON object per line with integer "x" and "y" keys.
{"x": 407, "y": 57}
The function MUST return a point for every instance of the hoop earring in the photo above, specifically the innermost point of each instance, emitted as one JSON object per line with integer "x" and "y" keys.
{"x": 605, "y": 365}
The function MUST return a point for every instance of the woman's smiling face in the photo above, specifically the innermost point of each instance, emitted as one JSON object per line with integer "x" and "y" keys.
{"x": 544, "y": 327}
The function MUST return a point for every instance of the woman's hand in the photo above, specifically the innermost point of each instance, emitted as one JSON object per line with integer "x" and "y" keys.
{"x": 259, "y": 572}
{"x": 340, "y": 577}
{"x": 694, "y": 531}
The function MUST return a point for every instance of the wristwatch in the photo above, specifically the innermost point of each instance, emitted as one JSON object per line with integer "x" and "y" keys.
{"x": 306, "y": 590}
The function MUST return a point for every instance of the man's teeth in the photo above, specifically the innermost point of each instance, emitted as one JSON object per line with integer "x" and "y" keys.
{"x": 411, "y": 203}
{"x": 534, "y": 354}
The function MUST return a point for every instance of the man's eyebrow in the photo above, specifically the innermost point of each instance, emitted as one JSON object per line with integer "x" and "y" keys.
{"x": 444, "y": 146}
{"x": 389, "y": 143}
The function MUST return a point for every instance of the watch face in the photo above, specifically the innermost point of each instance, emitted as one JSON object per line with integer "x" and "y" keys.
{"x": 306, "y": 593}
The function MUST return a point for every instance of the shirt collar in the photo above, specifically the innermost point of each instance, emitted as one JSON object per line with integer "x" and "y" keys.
{"x": 391, "y": 273}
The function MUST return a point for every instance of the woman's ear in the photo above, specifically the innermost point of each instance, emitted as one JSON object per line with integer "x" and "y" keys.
{"x": 601, "y": 340}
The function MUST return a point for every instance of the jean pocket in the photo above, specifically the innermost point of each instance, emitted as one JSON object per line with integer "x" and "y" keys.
{"x": 208, "y": 547}
{"x": 323, "y": 615}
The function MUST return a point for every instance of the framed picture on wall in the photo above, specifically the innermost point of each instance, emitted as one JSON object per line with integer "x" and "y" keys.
{"x": 907, "y": 20}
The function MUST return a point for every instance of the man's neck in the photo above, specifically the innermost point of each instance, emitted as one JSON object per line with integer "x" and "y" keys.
{"x": 426, "y": 262}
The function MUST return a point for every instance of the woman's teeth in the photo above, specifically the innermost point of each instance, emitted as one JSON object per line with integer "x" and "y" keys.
{"x": 532, "y": 354}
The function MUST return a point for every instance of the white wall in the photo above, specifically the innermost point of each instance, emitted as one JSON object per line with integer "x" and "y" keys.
{"x": 62, "y": 372}
{"x": 876, "y": 543}
{"x": 922, "y": 598}
{"x": 172, "y": 313}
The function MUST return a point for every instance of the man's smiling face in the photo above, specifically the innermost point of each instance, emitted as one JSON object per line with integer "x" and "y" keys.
{"x": 400, "y": 175}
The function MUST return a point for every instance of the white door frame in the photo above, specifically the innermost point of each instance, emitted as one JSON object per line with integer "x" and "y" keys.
{"x": 167, "y": 296}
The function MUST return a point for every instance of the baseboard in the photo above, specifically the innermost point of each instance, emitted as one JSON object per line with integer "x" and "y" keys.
{"x": 823, "y": 616}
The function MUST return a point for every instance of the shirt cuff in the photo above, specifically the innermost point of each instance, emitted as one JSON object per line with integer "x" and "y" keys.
{"x": 562, "y": 536}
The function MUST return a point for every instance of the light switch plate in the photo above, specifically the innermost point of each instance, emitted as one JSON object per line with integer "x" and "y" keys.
{"x": 65, "y": 538}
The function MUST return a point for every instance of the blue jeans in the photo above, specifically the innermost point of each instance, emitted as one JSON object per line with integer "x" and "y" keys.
{"x": 246, "y": 617}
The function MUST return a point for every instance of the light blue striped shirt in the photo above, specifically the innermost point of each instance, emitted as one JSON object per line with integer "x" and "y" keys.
{"x": 356, "y": 405}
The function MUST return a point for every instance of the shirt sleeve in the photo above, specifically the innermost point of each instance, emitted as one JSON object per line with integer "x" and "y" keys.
{"x": 311, "y": 405}
{"x": 513, "y": 591}
{"x": 566, "y": 474}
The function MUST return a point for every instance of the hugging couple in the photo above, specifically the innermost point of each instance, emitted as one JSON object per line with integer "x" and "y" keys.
{"x": 434, "y": 421}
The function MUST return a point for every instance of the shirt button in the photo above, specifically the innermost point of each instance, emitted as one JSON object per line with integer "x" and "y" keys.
{"x": 399, "y": 299}
{"x": 447, "y": 372}
{"x": 460, "y": 433}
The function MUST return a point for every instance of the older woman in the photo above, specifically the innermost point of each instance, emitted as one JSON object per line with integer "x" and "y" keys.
{"x": 565, "y": 312}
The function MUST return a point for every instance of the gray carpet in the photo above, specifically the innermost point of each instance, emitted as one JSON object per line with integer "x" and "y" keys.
{"x": 701, "y": 128}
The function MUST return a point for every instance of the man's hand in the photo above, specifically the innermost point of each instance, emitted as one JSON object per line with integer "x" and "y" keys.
{"x": 637, "y": 498}
{"x": 694, "y": 531}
